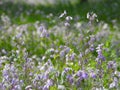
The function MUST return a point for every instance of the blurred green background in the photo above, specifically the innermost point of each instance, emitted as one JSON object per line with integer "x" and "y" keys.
{"x": 32, "y": 10}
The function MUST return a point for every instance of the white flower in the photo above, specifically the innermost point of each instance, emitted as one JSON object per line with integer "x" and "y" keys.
{"x": 113, "y": 84}
{"x": 63, "y": 14}
{"x": 68, "y": 18}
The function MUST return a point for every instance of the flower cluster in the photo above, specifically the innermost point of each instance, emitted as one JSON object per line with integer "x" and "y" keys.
{"x": 65, "y": 56}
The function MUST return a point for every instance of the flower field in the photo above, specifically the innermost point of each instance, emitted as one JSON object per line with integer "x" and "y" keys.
{"x": 59, "y": 48}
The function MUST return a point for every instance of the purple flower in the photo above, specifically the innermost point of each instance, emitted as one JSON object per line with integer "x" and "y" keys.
{"x": 114, "y": 83}
{"x": 42, "y": 32}
{"x": 45, "y": 87}
{"x": 70, "y": 78}
{"x": 91, "y": 41}
{"x": 67, "y": 24}
{"x": 100, "y": 56}
{"x": 93, "y": 75}
{"x": 45, "y": 76}
{"x": 10, "y": 77}
{"x": 92, "y": 48}
{"x": 18, "y": 35}
{"x": 67, "y": 69}
{"x": 49, "y": 82}
{"x": 78, "y": 82}
{"x": 112, "y": 65}
{"x": 79, "y": 73}
{"x": 62, "y": 53}
{"x": 67, "y": 49}
{"x": 2, "y": 86}
{"x": 72, "y": 57}
{"x": 17, "y": 87}
{"x": 41, "y": 28}
{"x": 82, "y": 74}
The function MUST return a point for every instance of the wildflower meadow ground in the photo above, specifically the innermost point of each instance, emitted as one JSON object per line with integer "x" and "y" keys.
{"x": 45, "y": 50}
